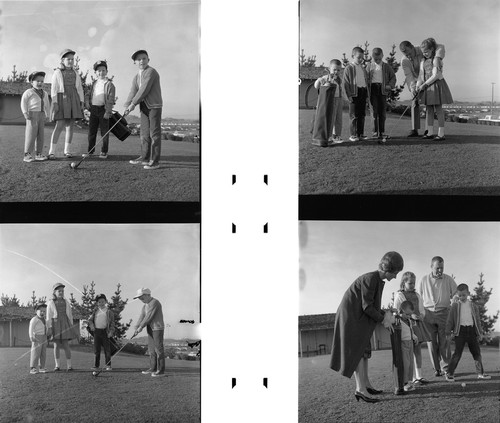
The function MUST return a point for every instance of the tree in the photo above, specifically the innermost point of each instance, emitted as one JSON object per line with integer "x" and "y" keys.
{"x": 481, "y": 297}
{"x": 16, "y": 76}
{"x": 309, "y": 62}
{"x": 35, "y": 301}
{"x": 10, "y": 301}
{"x": 116, "y": 306}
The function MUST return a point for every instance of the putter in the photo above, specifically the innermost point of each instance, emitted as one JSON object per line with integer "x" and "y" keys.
{"x": 95, "y": 374}
{"x": 74, "y": 165}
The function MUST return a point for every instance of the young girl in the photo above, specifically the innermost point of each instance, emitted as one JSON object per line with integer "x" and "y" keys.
{"x": 67, "y": 101}
{"x": 60, "y": 325}
{"x": 407, "y": 293}
{"x": 433, "y": 88}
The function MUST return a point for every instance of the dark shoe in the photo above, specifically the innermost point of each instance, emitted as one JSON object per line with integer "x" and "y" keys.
{"x": 373, "y": 391}
{"x": 57, "y": 369}
{"x": 399, "y": 392}
{"x": 413, "y": 133}
{"x": 438, "y": 138}
{"x": 359, "y": 396}
{"x": 69, "y": 369}
{"x": 438, "y": 373}
{"x": 428, "y": 137}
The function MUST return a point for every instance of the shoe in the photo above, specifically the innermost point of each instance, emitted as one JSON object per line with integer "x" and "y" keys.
{"x": 421, "y": 381}
{"x": 139, "y": 160}
{"x": 42, "y": 370}
{"x": 314, "y": 142}
{"x": 399, "y": 391}
{"x": 40, "y": 157}
{"x": 427, "y": 137}
{"x": 337, "y": 140}
{"x": 148, "y": 372}
{"x": 412, "y": 134}
{"x": 28, "y": 158}
{"x": 438, "y": 373}
{"x": 108, "y": 368}
{"x": 158, "y": 374}
{"x": 363, "y": 137}
{"x": 353, "y": 138}
{"x": 438, "y": 138}
{"x": 375, "y": 135}
{"x": 359, "y": 396}
{"x": 103, "y": 155}
{"x": 51, "y": 156}
{"x": 87, "y": 155}
{"x": 33, "y": 371}
{"x": 484, "y": 376}
{"x": 152, "y": 166}
{"x": 68, "y": 155}
{"x": 69, "y": 369}
{"x": 95, "y": 369}
{"x": 409, "y": 387}
{"x": 373, "y": 391}
{"x": 449, "y": 378}
{"x": 57, "y": 369}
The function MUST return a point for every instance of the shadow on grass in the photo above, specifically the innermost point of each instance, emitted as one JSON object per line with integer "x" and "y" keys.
{"x": 494, "y": 190}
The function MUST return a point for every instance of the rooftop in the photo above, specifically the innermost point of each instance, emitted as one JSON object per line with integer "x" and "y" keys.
{"x": 18, "y": 88}
{"x": 22, "y": 313}
{"x": 317, "y": 321}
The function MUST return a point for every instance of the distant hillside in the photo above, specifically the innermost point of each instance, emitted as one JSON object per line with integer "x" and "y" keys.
{"x": 143, "y": 340}
{"x": 137, "y": 119}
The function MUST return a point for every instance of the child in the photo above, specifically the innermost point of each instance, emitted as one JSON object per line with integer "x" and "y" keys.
{"x": 403, "y": 375}
{"x": 328, "y": 117}
{"x": 100, "y": 102}
{"x": 67, "y": 101}
{"x": 382, "y": 80}
{"x": 60, "y": 325}
{"x": 464, "y": 324}
{"x": 102, "y": 322}
{"x": 407, "y": 293}
{"x": 38, "y": 337}
{"x": 35, "y": 107}
{"x": 433, "y": 88}
{"x": 146, "y": 91}
{"x": 357, "y": 91}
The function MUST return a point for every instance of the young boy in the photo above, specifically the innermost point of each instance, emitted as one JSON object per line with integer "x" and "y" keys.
{"x": 464, "y": 324}
{"x": 35, "y": 107}
{"x": 38, "y": 337}
{"x": 146, "y": 91}
{"x": 357, "y": 91}
{"x": 100, "y": 102}
{"x": 328, "y": 119}
{"x": 382, "y": 81}
{"x": 102, "y": 322}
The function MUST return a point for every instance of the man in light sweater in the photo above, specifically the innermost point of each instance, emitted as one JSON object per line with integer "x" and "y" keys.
{"x": 151, "y": 318}
{"x": 436, "y": 290}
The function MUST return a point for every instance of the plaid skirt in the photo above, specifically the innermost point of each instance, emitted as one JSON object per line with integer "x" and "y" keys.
{"x": 436, "y": 94}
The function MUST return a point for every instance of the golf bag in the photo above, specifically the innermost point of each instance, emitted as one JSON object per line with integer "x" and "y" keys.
{"x": 120, "y": 131}
{"x": 323, "y": 120}
{"x": 397, "y": 355}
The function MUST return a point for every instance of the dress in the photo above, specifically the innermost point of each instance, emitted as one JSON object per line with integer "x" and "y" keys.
{"x": 421, "y": 330}
{"x": 69, "y": 101}
{"x": 356, "y": 318}
{"x": 438, "y": 92}
{"x": 61, "y": 327}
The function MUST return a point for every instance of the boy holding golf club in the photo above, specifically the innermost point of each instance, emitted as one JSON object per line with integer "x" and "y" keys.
{"x": 100, "y": 102}
{"x": 102, "y": 322}
{"x": 38, "y": 337}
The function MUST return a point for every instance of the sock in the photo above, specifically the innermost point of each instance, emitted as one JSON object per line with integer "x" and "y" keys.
{"x": 58, "y": 362}
{"x": 418, "y": 373}
{"x": 66, "y": 147}
{"x": 52, "y": 148}
{"x": 441, "y": 131}
{"x": 68, "y": 362}
{"x": 430, "y": 130}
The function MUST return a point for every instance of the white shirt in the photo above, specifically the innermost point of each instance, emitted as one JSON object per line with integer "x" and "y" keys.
{"x": 360, "y": 76}
{"x": 98, "y": 94}
{"x": 101, "y": 319}
{"x": 466, "y": 314}
{"x": 406, "y": 332}
{"x": 376, "y": 71}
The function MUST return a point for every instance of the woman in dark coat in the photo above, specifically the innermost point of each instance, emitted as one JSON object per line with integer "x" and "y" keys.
{"x": 356, "y": 318}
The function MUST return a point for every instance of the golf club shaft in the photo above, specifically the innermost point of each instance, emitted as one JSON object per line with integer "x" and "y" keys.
{"x": 116, "y": 353}
{"x": 407, "y": 107}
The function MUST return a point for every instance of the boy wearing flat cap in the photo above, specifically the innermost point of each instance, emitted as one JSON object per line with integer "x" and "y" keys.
{"x": 100, "y": 102}
{"x": 35, "y": 106}
{"x": 151, "y": 318}
{"x": 38, "y": 338}
{"x": 102, "y": 322}
{"x": 146, "y": 92}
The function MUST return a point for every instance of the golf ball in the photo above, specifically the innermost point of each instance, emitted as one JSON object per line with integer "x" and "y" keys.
{"x": 73, "y": 164}
{"x": 463, "y": 385}
{"x": 94, "y": 373}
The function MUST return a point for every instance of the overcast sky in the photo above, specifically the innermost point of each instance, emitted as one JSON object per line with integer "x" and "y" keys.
{"x": 334, "y": 254}
{"x": 468, "y": 29}
{"x": 163, "y": 258}
{"x": 33, "y": 33}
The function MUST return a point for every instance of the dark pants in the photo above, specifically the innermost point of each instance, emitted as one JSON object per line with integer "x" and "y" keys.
{"x": 97, "y": 121}
{"x": 150, "y": 134}
{"x": 357, "y": 111}
{"x": 156, "y": 352}
{"x": 379, "y": 104}
{"x": 439, "y": 347}
{"x": 101, "y": 340}
{"x": 466, "y": 334}
{"x": 415, "y": 115}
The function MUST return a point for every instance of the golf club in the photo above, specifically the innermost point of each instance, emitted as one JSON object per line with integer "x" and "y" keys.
{"x": 97, "y": 373}
{"x": 74, "y": 165}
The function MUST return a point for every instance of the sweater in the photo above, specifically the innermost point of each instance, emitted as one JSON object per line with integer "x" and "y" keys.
{"x": 58, "y": 85}
{"x": 151, "y": 315}
{"x": 109, "y": 96}
{"x": 349, "y": 81}
{"x": 37, "y": 327}
{"x": 436, "y": 293}
{"x": 147, "y": 90}
{"x": 31, "y": 102}
{"x": 52, "y": 312}
{"x": 453, "y": 322}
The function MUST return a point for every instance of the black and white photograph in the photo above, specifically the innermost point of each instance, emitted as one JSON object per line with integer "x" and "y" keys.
{"x": 99, "y": 101}
{"x": 100, "y": 322}
{"x": 386, "y": 309}
{"x": 398, "y": 98}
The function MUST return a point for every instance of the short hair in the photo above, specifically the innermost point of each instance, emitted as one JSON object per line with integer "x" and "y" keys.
{"x": 391, "y": 262}
{"x": 335, "y": 62}
{"x": 405, "y": 44}
{"x": 406, "y": 304}
{"x": 429, "y": 44}
{"x": 439, "y": 259}
{"x": 377, "y": 51}
{"x": 406, "y": 276}
{"x": 463, "y": 287}
{"x": 357, "y": 49}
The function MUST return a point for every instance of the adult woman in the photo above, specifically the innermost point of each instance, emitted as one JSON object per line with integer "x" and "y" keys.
{"x": 356, "y": 318}
{"x": 60, "y": 325}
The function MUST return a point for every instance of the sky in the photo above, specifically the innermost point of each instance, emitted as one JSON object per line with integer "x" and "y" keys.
{"x": 468, "y": 29}
{"x": 33, "y": 33}
{"x": 333, "y": 254}
{"x": 164, "y": 258}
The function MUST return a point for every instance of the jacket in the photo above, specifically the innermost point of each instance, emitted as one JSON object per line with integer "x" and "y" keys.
{"x": 349, "y": 81}
{"x": 31, "y": 102}
{"x": 58, "y": 85}
{"x": 388, "y": 77}
{"x": 109, "y": 96}
{"x": 151, "y": 315}
{"x": 453, "y": 322}
{"x": 110, "y": 327}
{"x": 149, "y": 91}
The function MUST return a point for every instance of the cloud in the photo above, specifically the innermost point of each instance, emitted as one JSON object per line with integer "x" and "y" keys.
{"x": 92, "y": 31}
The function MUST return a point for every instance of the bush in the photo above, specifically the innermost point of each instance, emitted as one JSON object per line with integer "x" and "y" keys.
{"x": 494, "y": 342}
{"x": 134, "y": 348}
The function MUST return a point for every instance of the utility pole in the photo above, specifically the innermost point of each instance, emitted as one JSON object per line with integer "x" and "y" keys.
{"x": 492, "y": 91}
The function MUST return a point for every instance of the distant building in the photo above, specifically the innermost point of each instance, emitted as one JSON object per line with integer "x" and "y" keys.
{"x": 10, "y": 101}
{"x": 308, "y": 95}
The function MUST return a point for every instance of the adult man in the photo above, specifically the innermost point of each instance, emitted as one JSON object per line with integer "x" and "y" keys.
{"x": 151, "y": 318}
{"x": 411, "y": 68}
{"x": 436, "y": 290}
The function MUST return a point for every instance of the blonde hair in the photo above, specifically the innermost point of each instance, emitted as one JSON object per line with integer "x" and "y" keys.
{"x": 406, "y": 276}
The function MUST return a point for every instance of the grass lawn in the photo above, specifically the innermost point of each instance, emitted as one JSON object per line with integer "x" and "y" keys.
{"x": 326, "y": 396}
{"x": 121, "y": 395}
{"x": 466, "y": 163}
{"x": 113, "y": 179}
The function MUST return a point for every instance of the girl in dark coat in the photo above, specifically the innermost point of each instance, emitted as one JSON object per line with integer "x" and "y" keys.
{"x": 356, "y": 318}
